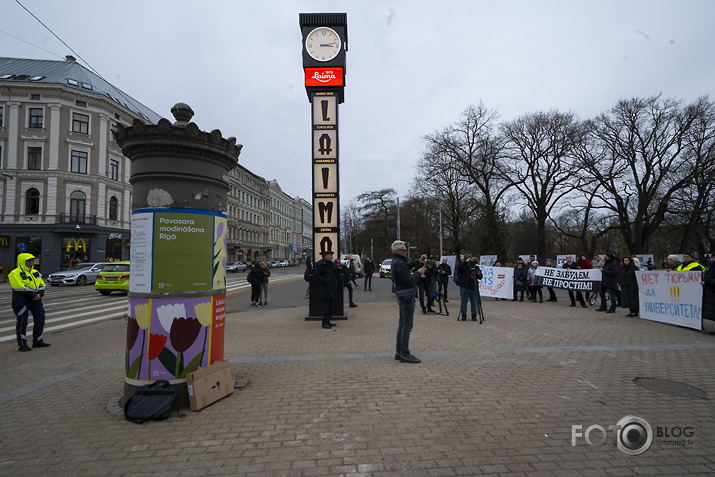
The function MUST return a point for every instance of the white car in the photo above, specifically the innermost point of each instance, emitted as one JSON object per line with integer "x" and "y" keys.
{"x": 386, "y": 268}
{"x": 80, "y": 275}
{"x": 236, "y": 267}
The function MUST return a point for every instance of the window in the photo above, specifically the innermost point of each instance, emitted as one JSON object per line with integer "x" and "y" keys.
{"x": 82, "y": 104}
{"x": 36, "y": 118}
{"x": 79, "y": 162}
{"x": 34, "y": 158}
{"x": 77, "y": 201}
{"x": 113, "y": 208}
{"x": 80, "y": 123}
{"x": 113, "y": 170}
{"x": 32, "y": 201}
{"x": 2, "y": 116}
{"x": 35, "y": 97}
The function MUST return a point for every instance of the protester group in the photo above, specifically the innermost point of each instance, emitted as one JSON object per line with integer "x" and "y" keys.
{"x": 607, "y": 278}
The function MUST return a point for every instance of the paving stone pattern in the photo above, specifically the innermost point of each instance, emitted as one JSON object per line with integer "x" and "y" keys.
{"x": 498, "y": 398}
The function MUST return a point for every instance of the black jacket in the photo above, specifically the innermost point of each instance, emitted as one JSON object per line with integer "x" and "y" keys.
{"x": 400, "y": 271}
{"x": 444, "y": 271}
{"x": 610, "y": 275}
{"x": 255, "y": 276}
{"x": 629, "y": 287}
{"x": 521, "y": 275}
{"x": 467, "y": 271}
{"x": 368, "y": 268}
{"x": 327, "y": 274}
{"x": 709, "y": 294}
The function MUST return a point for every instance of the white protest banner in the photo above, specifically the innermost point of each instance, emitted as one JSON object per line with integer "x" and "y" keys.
{"x": 488, "y": 260}
{"x": 498, "y": 282}
{"x": 671, "y": 297}
{"x": 568, "y": 279}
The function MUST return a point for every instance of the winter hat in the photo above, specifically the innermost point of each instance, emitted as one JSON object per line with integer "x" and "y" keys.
{"x": 673, "y": 258}
{"x": 690, "y": 254}
{"x": 610, "y": 256}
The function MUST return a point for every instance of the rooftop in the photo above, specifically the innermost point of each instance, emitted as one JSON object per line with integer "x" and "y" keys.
{"x": 72, "y": 75}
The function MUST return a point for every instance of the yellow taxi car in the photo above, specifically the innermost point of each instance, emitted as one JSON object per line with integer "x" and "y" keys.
{"x": 113, "y": 277}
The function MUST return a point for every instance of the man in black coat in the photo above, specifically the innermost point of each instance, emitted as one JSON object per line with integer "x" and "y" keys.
{"x": 327, "y": 274}
{"x": 609, "y": 283}
{"x": 368, "y": 270}
{"x": 443, "y": 273}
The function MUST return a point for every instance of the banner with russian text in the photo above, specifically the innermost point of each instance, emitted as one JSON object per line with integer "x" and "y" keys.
{"x": 568, "y": 279}
{"x": 671, "y": 297}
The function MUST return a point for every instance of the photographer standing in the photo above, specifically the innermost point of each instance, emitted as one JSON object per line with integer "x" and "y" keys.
{"x": 405, "y": 282}
{"x": 469, "y": 273}
{"x": 443, "y": 273}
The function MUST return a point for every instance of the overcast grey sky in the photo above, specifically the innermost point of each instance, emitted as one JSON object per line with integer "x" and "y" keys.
{"x": 412, "y": 67}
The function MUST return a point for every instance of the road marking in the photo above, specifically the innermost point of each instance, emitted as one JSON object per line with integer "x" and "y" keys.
{"x": 66, "y": 325}
{"x": 68, "y": 319}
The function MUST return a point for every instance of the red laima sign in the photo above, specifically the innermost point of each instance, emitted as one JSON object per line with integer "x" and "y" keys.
{"x": 323, "y": 76}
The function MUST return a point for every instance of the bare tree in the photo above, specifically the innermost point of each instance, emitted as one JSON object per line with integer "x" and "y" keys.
{"x": 473, "y": 147}
{"x": 419, "y": 214}
{"x": 540, "y": 164}
{"x": 351, "y": 227}
{"x": 636, "y": 157}
{"x": 379, "y": 213}
{"x": 692, "y": 206}
{"x": 438, "y": 176}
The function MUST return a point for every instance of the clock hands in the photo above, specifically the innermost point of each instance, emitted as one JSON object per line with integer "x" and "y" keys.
{"x": 334, "y": 43}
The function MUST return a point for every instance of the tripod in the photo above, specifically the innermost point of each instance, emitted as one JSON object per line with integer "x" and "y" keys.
{"x": 479, "y": 297}
{"x": 439, "y": 298}
{"x": 480, "y": 311}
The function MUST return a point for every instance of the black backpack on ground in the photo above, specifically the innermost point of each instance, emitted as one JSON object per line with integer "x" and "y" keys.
{"x": 152, "y": 402}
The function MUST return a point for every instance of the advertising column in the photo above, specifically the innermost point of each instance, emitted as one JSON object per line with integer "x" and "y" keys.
{"x": 177, "y": 287}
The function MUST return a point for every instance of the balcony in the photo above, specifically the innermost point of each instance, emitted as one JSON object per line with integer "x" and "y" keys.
{"x": 67, "y": 219}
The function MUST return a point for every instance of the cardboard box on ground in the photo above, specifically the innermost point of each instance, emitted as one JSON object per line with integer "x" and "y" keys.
{"x": 208, "y": 385}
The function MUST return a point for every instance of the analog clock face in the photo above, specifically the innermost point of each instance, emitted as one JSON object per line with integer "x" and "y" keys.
{"x": 323, "y": 44}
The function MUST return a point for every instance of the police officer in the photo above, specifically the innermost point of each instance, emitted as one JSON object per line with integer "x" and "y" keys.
{"x": 28, "y": 288}
{"x": 689, "y": 263}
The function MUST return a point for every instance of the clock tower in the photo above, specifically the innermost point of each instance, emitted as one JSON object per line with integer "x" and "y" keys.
{"x": 325, "y": 41}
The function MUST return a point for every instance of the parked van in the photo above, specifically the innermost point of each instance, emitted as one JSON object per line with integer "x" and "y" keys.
{"x": 356, "y": 260}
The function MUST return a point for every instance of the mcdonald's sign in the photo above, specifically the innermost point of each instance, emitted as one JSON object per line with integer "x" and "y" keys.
{"x": 4, "y": 241}
{"x": 76, "y": 243}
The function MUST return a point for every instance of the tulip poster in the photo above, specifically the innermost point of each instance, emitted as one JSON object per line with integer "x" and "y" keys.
{"x": 169, "y": 338}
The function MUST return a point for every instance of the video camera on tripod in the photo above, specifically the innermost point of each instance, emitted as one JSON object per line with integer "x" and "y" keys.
{"x": 475, "y": 274}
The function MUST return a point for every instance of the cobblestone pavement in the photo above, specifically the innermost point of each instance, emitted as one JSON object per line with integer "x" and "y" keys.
{"x": 498, "y": 398}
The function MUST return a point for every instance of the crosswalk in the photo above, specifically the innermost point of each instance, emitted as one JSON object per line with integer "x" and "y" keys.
{"x": 70, "y": 307}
